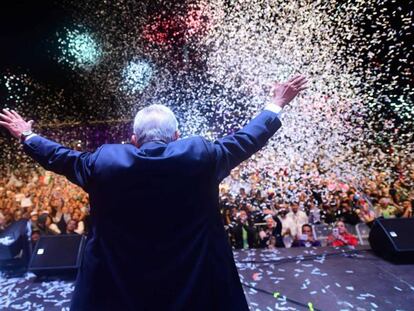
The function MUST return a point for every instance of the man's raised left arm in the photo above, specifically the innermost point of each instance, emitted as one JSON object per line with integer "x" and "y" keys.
{"x": 76, "y": 166}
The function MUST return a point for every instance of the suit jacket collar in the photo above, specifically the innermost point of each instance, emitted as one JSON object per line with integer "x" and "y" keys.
{"x": 152, "y": 144}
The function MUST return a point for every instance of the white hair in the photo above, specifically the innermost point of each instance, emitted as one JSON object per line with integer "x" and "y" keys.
{"x": 155, "y": 122}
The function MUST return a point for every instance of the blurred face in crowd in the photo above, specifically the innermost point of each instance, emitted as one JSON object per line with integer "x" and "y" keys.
{"x": 385, "y": 191}
{"x": 72, "y": 202}
{"x": 35, "y": 200}
{"x": 84, "y": 200}
{"x": 43, "y": 220}
{"x": 54, "y": 202}
{"x": 18, "y": 215}
{"x": 306, "y": 229}
{"x": 406, "y": 204}
{"x": 71, "y": 226}
{"x": 295, "y": 208}
{"x": 365, "y": 206}
{"x": 234, "y": 212}
{"x": 45, "y": 201}
{"x": 34, "y": 217}
{"x": 243, "y": 216}
{"x": 384, "y": 202}
{"x": 341, "y": 227}
{"x": 9, "y": 218}
{"x": 76, "y": 216}
{"x": 65, "y": 209}
{"x": 345, "y": 206}
{"x": 270, "y": 223}
{"x": 311, "y": 205}
{"x": 9, "y": 194}
{"x": 282, "y": 212}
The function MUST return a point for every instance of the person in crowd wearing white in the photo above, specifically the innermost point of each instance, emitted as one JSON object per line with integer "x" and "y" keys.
{"x": 80, "y": 228}
{"x": 288, "y": 226}
{"x": 298, "y": 217}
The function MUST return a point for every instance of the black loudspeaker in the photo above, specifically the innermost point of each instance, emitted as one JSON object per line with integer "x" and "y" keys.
{"x": 393, "y": 240}
{"x": 57, "y": 255}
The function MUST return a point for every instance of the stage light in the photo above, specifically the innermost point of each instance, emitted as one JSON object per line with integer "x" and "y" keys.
{"x": 136, "y": 76}
{"x": 79, "y": 49}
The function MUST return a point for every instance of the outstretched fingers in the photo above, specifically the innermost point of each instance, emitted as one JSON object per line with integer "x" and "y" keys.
{"x": 5, "y": 124}
{"x": 293, "y": 79}
{"x": 5, "y": 117}
{"x": 300, "y": 81}
{"x": 297, "y": 79}
{"x": 8, "y": 113}
{"x": 16, "y": 114}
{"x": 300, "y": 85}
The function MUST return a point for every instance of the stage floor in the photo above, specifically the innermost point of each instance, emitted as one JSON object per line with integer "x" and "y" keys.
{"x": 329, "y": 278}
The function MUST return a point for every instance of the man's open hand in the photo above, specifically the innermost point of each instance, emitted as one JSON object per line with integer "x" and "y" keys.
{"x": 16, "y": 125}
{"x": 283, "y": 93}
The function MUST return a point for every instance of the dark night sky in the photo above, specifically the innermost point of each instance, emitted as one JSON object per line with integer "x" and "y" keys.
{"x": 26, "y": 28}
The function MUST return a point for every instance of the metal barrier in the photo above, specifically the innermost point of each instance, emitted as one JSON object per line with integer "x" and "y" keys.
{"x": 363, "y": 233}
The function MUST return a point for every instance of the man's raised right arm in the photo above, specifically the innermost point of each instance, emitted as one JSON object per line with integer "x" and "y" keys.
{"x": 233, "y": 149}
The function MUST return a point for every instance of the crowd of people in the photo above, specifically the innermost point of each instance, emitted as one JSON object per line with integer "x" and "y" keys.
{"x": 260, "y": 208}
{"x": 270, "y": 209}
{"x": 49, "y": 202}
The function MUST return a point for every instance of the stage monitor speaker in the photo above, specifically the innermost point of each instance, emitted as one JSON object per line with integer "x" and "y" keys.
{"x": 393, "y": 239}
{"x": 57, "y": 255}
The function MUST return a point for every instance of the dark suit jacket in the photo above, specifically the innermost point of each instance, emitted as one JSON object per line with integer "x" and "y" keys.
{"x": 185, "y": 263}
{"x": 238, "y": 235}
